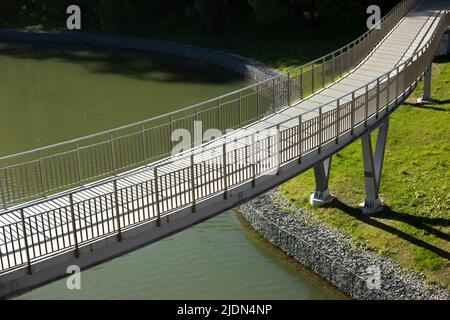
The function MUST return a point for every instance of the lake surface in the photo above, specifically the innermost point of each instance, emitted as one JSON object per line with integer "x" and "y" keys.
{"x": 49, "y": 94}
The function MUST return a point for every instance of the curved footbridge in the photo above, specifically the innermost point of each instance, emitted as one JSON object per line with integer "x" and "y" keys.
{"x": 282, "y": 126}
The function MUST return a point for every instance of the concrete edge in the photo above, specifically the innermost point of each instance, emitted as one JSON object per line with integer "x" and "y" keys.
{"x": 246, "y": 67}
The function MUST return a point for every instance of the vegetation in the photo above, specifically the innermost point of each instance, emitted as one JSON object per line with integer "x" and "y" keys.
{"x": 414, "y": 229}
{"x": 116, "y": 16}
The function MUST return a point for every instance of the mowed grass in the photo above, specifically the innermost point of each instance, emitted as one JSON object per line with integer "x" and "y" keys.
{"x": 415, "y": 186}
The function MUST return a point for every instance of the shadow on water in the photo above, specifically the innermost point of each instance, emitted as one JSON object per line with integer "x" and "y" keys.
{"x": 422, "y": 223}
{"x": 130, "y": 63}
{"x": 285, "y": 261}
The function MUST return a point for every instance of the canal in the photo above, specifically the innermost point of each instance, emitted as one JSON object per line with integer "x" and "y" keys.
{"x": 51, "y": 93}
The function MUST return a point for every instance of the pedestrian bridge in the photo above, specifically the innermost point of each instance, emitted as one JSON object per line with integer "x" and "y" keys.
{"x": 91, "y": 199}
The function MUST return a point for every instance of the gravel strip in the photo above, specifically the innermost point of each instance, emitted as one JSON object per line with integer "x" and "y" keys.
{"x": 333, "y": 255}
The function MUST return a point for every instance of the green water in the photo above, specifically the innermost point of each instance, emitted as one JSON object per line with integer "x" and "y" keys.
{"x": 221, "y": 258}
{"x": 52, "y": 94}
{"x": 49, "y": 94}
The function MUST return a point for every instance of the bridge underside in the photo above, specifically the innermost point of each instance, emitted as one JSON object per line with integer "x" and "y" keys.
{"x": 58, "y": 230}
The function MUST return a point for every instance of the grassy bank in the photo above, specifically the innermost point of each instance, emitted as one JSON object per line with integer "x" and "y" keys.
{"x": 414, "y": 229}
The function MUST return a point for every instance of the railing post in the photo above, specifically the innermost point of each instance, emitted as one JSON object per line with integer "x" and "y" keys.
{"x": 312, "y": 78}
{"x": 366, "y": 106}
{"x": 279, "y": 149}
{"x": 397, "y": 84}
{"x": 300, "y": 139}
{"x": 257, "y": 101}
{"x": 113, "y": 153}
{"x": 301, "y": 83}
{"x": 74, "y": 227}
{"x": 225, "y": 180}
{"x": 352, "y": 114}
{"x": 342, "y": 63}
{"x": 219, "y": 125}
{"x": 2, "y": 193}
{"x": 27, "y": 250}
{"x": 239, "y": 110}
{"x": 332, "y": 67}
{"x": 320, "y": 130}
{"x": 338, "y": 119}
{"x": 323, "y": 72}
{"x": 171, "y": 131}
{"x": 158, "y": 211}
{"x": 143, "y": 145}
{"x": 253, "y": 152}
{"x": 41, "y": 175}
{"x": 193, "y": 133}
{"x": 80, "y": 174}
{"x": 388, "y": 97}
{"x": 194, "y": 206}
{"x": 273, "y": 96}
{"x": 378, "y": 99}
{"x": 116, "y": 199}
{"x": 289, "y": 89}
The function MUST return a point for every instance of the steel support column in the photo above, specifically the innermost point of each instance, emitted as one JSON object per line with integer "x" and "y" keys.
{"x": 448, "y": 41}
{"x": 444, "y": 46}
{"x": 426, "y": 86}
{"x": 322, "y": 195}
{"x": 373, "y": 164}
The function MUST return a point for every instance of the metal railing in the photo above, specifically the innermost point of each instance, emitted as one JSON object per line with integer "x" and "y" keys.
{"x": 147, "y": 195}
{"x": 44, "y": 171}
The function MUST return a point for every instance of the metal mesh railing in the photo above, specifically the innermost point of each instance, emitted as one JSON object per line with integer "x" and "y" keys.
{"x": 45, "y": 171}
{"x": 72, "y": 220}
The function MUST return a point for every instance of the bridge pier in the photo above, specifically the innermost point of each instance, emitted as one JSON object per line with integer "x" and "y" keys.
{"x": 322, "y": 195}
{"x": 444, "y": 46}
{"x": 373, "y": 164}
{"x": 426, "y": 87}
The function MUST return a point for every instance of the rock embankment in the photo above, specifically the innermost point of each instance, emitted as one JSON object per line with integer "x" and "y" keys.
{"x": 333, "y": 255}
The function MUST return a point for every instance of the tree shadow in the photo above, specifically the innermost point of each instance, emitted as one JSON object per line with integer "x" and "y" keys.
{"x": 429, "y": 106}
{"x": 130, "y": 63}
{"x": 442, "y": 59}
{"x": 418, "y": 222}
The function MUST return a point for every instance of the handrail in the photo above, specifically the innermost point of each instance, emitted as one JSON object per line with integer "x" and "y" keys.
{"x": 196, "y": 151}
{"x": 205, "y": 101}
{"x": 31, "y": 178}
{"x": 381, "y": 79}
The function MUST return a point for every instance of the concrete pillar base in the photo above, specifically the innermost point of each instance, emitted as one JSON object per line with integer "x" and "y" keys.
{"x": 423, "y": 100}
{"x": 371, "y": 207}
{"x": 320, "y": 198}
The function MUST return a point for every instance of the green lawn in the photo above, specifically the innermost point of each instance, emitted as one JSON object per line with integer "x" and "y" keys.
{"x": 414, "y": 229}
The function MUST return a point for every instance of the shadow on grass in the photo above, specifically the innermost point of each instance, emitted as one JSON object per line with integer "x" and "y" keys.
{"x": 429, "y": 106}
{"x": 418, "y": 222}
{"x": 442, "y": 59}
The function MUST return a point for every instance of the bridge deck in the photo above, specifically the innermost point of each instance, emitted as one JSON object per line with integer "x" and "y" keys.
{"x": 51, "y": 226}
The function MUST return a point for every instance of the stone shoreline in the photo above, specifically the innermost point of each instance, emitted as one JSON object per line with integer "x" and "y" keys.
{"x": 246, "y": 67}
{"x": 333, "y": 255}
